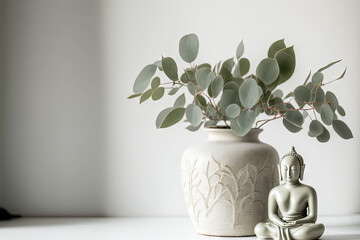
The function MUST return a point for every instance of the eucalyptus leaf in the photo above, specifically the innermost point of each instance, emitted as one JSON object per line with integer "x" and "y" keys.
{"x": 204, "y": 65}
{"x": 332, "y": 100}
{"x": 180, "y": 101}
{"x": 327, "y": 115}
{"x": 228, "y": 64}
{"x": 169, "y": 117}
{"x": 211, "y": 112}
{"x": 192, "y": 128}
{"x": 278, "y": 93}
{"x": 294, "y": 117}
{"x": 315, "y": 128}
{"x": 192, "y": 88}
{"x": 342, "y": 129}
{"x": 233, "y": 110}
{"x": 268, "y": 70}
{"x": 217, "y": 86}
{"x": 324, "y": 137}
{"x": 327, "y": 66}
{"x": 342, "y": 75}
{"x": 341, "y": 110}
{"x": 189, "y": 47}
{"x": 170, "y": 68}
{"x": 155, "y": 83}
{"x": 146, "y": 95}
{"x": 302, "y": 94}
{"x": 210, "y": 123}
{"x": 200, "y": 101}
{"x": 290, "y": 51}
{"x": 173, "y": 90}
{"x": 244, "y": 66}
{"x": 290, "y": 94}
{"x": 228, "y": 97}
{"x": 307, "y": 78}
{"x": 319, "y": 99}
{"x": 193, "y": 114}
{"x": 158, "y": 93}
{"x": 203, "y": 78}
{"x": 143, "y": 79}
{"x": 286, "y": 64}
{"x": 249, "y": 93}
{"x": 184, "y": 78}
{"x": 231, "y": 85}
{"x": 275, "y": 47}
{"x": 244, "y": 122}
{"x": 291, "y": 127}
{"x": 225, "y": 74}
{"x": 240, "y": 50}
{"x": 317, "y": 78}
{"x": 134, "y": 95}
{"x": 159, "y": 65}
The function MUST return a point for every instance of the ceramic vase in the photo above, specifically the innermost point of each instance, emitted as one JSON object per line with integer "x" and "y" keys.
{"x": 226, "y": 182}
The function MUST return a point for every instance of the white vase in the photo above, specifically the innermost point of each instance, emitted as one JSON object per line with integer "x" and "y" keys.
{"x": 226, "y": 182}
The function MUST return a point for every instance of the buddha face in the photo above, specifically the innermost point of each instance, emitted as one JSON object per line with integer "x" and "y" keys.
{"x": 290, "y": 169}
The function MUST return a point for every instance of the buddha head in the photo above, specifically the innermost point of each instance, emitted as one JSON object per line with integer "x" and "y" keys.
{"x": 291, "y": 167}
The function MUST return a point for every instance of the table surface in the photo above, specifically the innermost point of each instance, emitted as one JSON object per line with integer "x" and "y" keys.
{"x": 160, "y": 228}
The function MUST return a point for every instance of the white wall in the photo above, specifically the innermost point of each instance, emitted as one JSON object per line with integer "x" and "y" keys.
{"x": 74, "y": 145}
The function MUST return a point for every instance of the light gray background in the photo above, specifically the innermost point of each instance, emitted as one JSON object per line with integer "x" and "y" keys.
{"x": 73, "y": 145}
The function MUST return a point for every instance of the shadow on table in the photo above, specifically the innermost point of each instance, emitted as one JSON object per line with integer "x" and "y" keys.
{"x": 43, "y": 222}
{"x": 342, "y": 237}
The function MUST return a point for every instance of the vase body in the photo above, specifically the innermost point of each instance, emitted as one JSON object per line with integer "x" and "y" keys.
{"x": 226, "y": 182}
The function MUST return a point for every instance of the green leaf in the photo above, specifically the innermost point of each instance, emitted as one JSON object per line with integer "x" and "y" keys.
{"x": 342, "y": 75}
{"x": 244, "y": 66}
{"x": 341, "y": 110}
{"x": 315, "y": 128}
{"x": 143, "y": 79}
{"x": 204, "y": 65}
{"x": 249, "y": 93}
{"x": 290, "y": 51}
{"x": 331, "y": 98}
{"x": 169, "y": 117}
{"x": 146, "y": 95}
{"x": 278, "y": 93}
{"x": 217, "y": 86}
{"x": 228, "y": 64}
{"x": 291, "y": 127}
{"x": 302, "y": 94}
{"x": 275, "y": 47}
{"x": 327, "y": 66}
{"x": 158, "y": 93}
{"x": 268, "y": 70}
{"x": 180, "y": 101}
{"x": 342, "y": 129}
{"x": 240, "y": 50}
{"x": 210, "y": 123}
{"x": 184, "y": 78}
{"x": 204, "y": 76}
{"x": 173, "y": 90}
{"x": 200, "y": 101}
{"x": 324, "y": 137}
{"x": 228, "y": 97}
{"x": 170, "y": 68}
{"x": 243, "y": 123}
{"x": 307, "y": 78}
{"x": 317, "y": 78}
{"x": 286, "y": 64}
{"x": 211, "y": 112}
{"x": 233, "y": 110}
{"x": 225, "y": 74}
{"x": 189, "y": 47}
{"x": 319, "y": 99}
{"x": 294, "y": 117}
{"x": 188, "y": 76}
{"x": 159, "y": 65}
{"x": 155, "y": 83}
{"x": 192, "y": 88}
{"x": 192, "y": 128}
{"x": 134, "y": 95}
{"x": 327, "y": 115}
{"x": 290, "y": 94}
{"x": 193, "y": 114}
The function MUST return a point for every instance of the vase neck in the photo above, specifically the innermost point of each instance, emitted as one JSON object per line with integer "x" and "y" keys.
{"x": 226, "y": 135}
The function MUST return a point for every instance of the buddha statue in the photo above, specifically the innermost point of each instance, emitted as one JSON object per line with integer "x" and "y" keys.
{"x": 292, "y": 206}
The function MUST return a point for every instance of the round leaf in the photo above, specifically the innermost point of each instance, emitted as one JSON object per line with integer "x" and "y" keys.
{"x": 228, "y": 97}
{"x": 294, "y": 117}
{"x": 275, "y": 47}
{"x": 200, "y": 101}
{"x": 204, "y": 76}
{"x": 193, "y": 114}
{"x": 158, "y": 93}
{"x": 189, "y": 47}
{"x": 342, "y": 129}
{"x": 233, "y": 110}
{"x": 155, "y": 83}
{"x": 243, "y": 123}
{"x": 341, "y": 110}
{"x": 244, "y": 65}
{"x": 286, "y": 64}
{"x": 192, "y": 88}
{"x": 143, "y": 79}
{"x": 249, "y": 93}
{"x": 180, "y": 101}
{"x": 170, "y": 68}
{"x": 240, "y": 50}
{"x": 217, "y": 86}
{"x": 324, "y": 137}
{"x": 146, "y": 95}
{"x": 317, "y": 78}
{"x": 204, "y": 65}
{"x": 327, "y": 115}
{"x": 319, "y": 98}
{"x": 268, "y": 70}
{"x": 315, "y": 128}
{"x": 302, "y": 94}
{"x": 278, "y": 93}
{"x": 169, "y": 117}
{"x": 331, "y": 98}
{"x": 291, "y": 127}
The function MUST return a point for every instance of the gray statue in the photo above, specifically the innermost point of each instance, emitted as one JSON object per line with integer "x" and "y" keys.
{"x": 292, "y": 206}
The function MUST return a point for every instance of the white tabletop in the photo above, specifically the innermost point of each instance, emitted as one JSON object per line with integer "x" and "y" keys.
{"x": 175, "y": 228}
